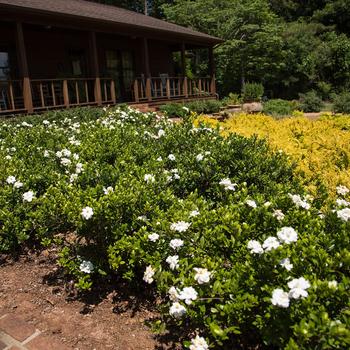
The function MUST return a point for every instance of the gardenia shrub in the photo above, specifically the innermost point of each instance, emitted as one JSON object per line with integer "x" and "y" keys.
{"x": 217, "y": 227}
{"x": 278, "y": 108}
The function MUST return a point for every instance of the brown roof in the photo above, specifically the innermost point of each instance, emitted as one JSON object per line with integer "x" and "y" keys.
{"x": 107, "y": 14}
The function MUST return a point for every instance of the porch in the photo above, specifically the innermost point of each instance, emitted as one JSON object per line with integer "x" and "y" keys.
{"x": 48, "y": 62}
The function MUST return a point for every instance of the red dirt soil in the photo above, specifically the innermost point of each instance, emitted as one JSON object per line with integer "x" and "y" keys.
{"x": 34, "y": 289}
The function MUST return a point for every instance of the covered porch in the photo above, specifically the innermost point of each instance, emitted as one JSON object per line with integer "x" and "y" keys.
{"x": 47, "y": 61}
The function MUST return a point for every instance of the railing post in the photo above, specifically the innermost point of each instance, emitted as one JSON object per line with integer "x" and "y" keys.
{"x": 114, "y": 99}
{"x": 98, "y": 93}
{"x": 200, "y": 87}
{"x": 168, "y": 88}
{"x": 148, "y": 89}
{"x": 65, "y": 93}
{"x": 212, "y": 85}
{"x": 136, "y": 90}
{"x": 27, "y": 95}
{"x": 186, "y": 87}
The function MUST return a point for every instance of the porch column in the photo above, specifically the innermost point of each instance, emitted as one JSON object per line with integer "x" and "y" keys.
{"x": 212, "y": 71}
{"x": 96, "y": 68}
{"x": 147, "y": 69}
{"x": 23, "y": 65}
{"x": 183, "y": 68}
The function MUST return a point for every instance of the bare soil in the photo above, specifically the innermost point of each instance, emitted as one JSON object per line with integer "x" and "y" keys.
{"x": 34, "y": 288}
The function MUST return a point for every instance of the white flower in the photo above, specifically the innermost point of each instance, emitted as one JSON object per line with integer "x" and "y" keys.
{"x": 148, "y": 275}
{"x": 287, "y": 235}
{"x": 173, "y": 294}
{"x": 286, "y": 264}
{"x": 66, "y": 152}
{"x": 86, "y": 266}
{"x": 342, "y": 190}
{"x": 171, "y": 157}
{"x": 176, "y": 243}
{"x": 199, "y": 343}
{"x": 75, "y": 156}
{"x": 299, "y": 202}
{"x": 73, "y": 177}
{"x": 46, "y": 154}
{"x": 228, "y": 184}
{"x": 251, "y": 203}
{"x": 267, "y": 204}
{"x": 194, "y": 213}
{"x": 159, "y": 159}
{"x": 202, "y": 275}
{"x": 28, "y": 196}
{"x": 177, "y": 310}
{"x": 298, "y": 288}
{"x": 199, "y": 157}
{"x": 149, "y": 178}
{"x": 161, "y": 133}
{"x": 59, "y": 154}
{"x": 108, "y": 190}
{"x": 8, "y": 157}
{"x": 342, "y": 203}
{"x": 173, "y": 261}
{"x": 11, "y": 180}
{"x": 186, "y": 109}
{"x": 153, "y": 237}
{"x": 255, "y": 247}
{"x": 270, "y": 243}
{"x": 333, "y": 284}
{"x": 180, "y": 226}
{"x": 344, "y": 214}
{"x": 280, "y": 298}
{"x": 142, "y": 218}
{"x": 87, "y": 213}
{"x": 278, "y": 214}
{"x": 46, "y": 122}
{"x": 188, "y": 294}
{"x": 66, "y": 161}
{"x": 79, "y": 168}
{"x": 18, "y": 184}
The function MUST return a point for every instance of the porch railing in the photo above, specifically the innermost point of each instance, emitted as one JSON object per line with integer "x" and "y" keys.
{"x": 157, "y": 88}
{"x": 11, "y": 96}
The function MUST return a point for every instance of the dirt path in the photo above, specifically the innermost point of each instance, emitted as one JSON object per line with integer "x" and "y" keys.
{"x": 33, "y": 289}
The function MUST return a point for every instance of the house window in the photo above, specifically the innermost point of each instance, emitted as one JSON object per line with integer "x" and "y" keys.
{"x": 128, "y": 68}
{"x": 112, "y": 60}
{"x": 4, "y": 65}
{"x": 77, "y": 59}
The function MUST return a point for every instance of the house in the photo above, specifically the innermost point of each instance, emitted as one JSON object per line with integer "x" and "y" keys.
{"x": 63, "y": 53}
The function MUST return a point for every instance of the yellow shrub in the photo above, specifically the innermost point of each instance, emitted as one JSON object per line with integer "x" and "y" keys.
{"x": 321, "y": 148}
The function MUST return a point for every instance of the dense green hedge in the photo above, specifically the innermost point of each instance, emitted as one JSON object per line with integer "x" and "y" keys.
{"x": 218, "y": 227}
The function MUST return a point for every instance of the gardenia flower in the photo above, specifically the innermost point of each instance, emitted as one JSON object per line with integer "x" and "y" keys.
{"x": 28, "y": 196}
{"x": 148, "y": 275}
{"x": 59, "y": 154}
{"x": 149, "y": 178}
{"x": 287, "y": 235}
{"x": 73, "y": 177}
{"x": 159, "y": 159}
{"x": 280, "y": 298}
{"x": 173, "y": 261}
{"x": 342, "y": 190}
{"x": 173, "y": 294}
{"x": 270, "y": 243}
{"x": 176, "y": 243}
{"x": 202, "y": 275}
{"x": 66, "y": 152}
{"x": 255, "y": 247}
{"x": 199, "y": 157}
{"x": 344, "y": 214}
{"x": 87, "y": 213}
{"x": 11, "y": 180}
{"x": 333, "y": 284}
{"x": 180, "y": 226}
{"x": 278, "y": 214}
{"x": 46, "y": 154}
{"x": 108, "y": 190}
{"x": 199, "y": 343}
{"x": 65, "y": 161}
{"x": 171, "y": 157}
{"x": 194, "y": 213}
{"x": 286, "y": 264}
{"x": 177, "y": 310}
{"x": 79, "y": 168}
{"x": 342, "y": 203}
{"x": 153, "y": 237}
{"x": 298, "y": 288}
{"x": 86, "y": 266}
{"x": 228, "y": 184}
{"x": 186, "y": 109}
{"x": 18, "y": 184}
{"x": 188, "y": 294}
{"x": 299, "y": 202}
{"x": 251, "y": 203}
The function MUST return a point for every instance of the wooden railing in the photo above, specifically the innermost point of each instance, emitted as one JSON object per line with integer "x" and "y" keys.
{"x": 157, "y": 88}
{"x": 11, "y": 96}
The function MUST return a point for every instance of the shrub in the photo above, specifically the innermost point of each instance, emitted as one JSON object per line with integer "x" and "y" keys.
{"x": 232, "y": 99}
{"x": 204, "y": 106}
{"x": 324, "y": 90}
{"x": 252, "y": 92}
{"x": 278, "y": 107}
{"x": 310, "y": 102}
{"x": 219, "y": 227}
{"x": 341, "y": 103}
{"x": 174, "y": 110}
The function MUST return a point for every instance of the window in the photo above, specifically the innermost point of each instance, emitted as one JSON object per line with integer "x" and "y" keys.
{"x": 112, "y": 60}
{"x": 4, "y": 65}
{"x": 128, "y": 68}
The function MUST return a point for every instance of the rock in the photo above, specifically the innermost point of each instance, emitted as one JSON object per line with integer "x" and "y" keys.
{"x": 254, "y": 107}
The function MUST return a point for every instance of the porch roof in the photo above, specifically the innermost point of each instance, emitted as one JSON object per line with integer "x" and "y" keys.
{"x": 107, "y": 15}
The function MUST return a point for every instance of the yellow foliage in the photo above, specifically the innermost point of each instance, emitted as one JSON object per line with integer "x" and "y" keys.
{"x": 321, "y": 147}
